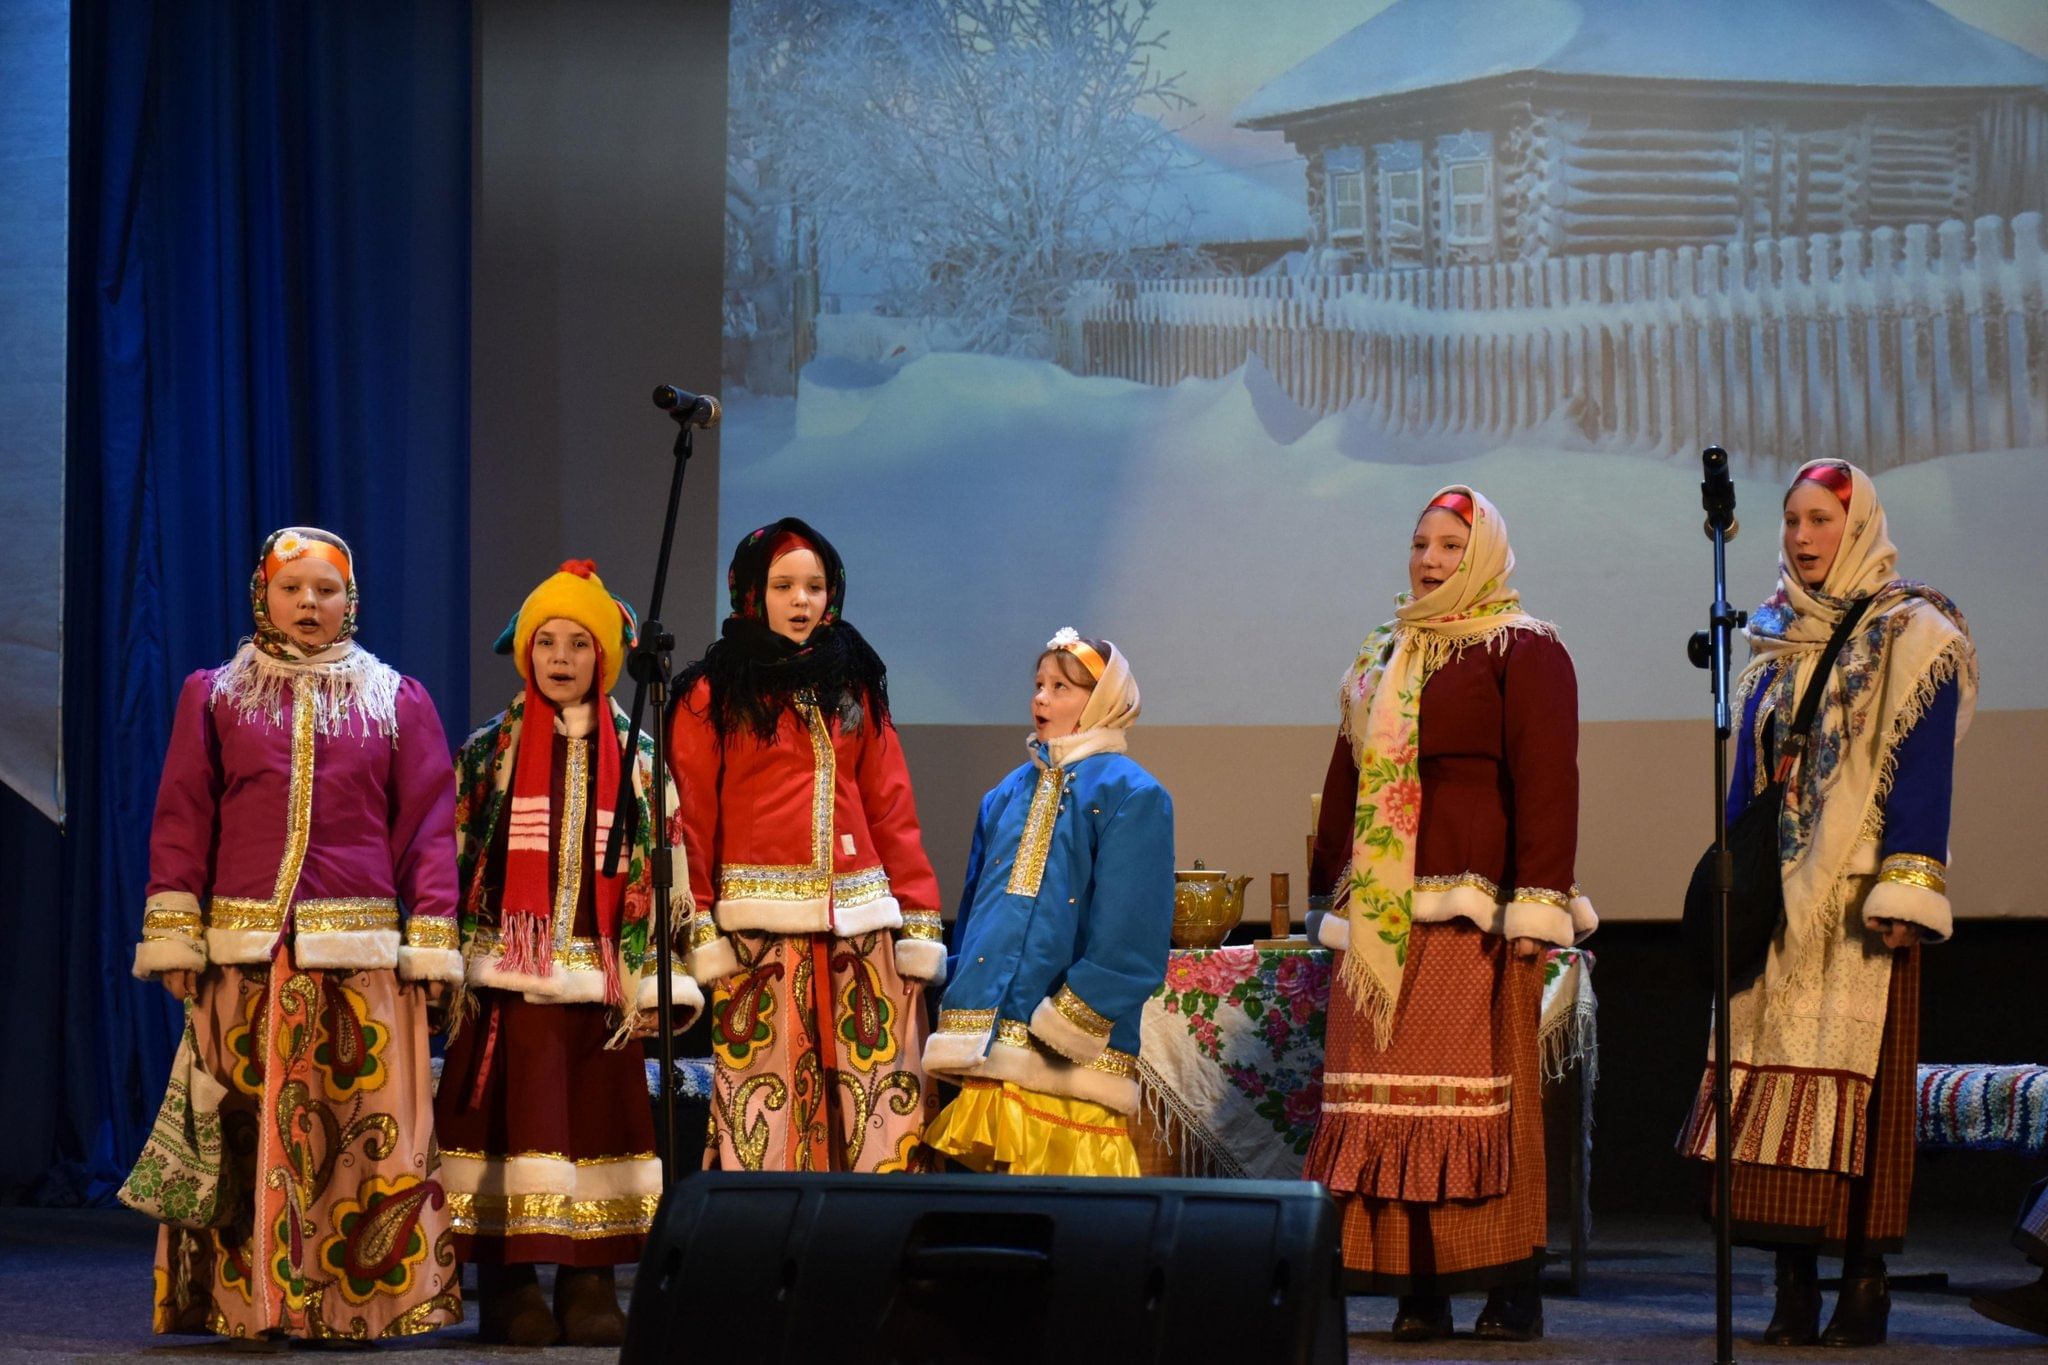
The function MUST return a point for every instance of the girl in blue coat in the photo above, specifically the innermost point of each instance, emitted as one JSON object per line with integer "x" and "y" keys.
{"x": 1062, "y": 935}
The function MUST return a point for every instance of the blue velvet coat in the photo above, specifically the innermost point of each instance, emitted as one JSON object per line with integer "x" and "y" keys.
{"x": 1100, "y": 917}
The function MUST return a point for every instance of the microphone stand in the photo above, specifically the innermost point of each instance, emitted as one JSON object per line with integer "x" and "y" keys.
{"x": 1709, "y": 649}
{"x": 651, "y": 666}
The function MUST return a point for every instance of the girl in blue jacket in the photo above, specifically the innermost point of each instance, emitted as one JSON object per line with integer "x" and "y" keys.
{"x": 1062, "y": 935}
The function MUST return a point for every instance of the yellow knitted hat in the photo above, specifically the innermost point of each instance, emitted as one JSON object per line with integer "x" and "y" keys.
{"x": 574, "y": 593}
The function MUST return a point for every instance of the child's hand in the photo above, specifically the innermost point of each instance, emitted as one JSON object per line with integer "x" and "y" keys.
{"x": 1528, "y": 949}
{"x": 182, "y": 985}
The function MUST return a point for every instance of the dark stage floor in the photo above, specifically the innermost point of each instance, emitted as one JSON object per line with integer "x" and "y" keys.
{"x": 74, "y": 1285}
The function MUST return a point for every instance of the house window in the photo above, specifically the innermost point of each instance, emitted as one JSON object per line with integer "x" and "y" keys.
{"x": 1468, "y": 202}
{"x": 1344, "y": 191}
{"x": 1401, "y": 215}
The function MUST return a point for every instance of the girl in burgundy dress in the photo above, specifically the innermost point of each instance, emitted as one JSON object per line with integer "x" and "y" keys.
{"x": 547, "y": 1141}
{"x": 303, "y": 824}
{"x": 1449, "y": 824}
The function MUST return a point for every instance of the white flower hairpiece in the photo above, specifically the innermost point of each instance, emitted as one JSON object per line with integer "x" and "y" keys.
{"x": 290, "y": 545}
{"x": 1063, "y": 637}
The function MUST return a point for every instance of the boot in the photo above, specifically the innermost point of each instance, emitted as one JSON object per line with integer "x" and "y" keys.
{"x": 1513, "y": 1312}
{"x": 1422, "y": 1317}
{"x": 2024, "y": 1306}
{"x": 511, "y": 1309}
{"x": 1796, "y": 1322}
{"x": 587, "y": 1307}
{"x": 1862, "y": 1307}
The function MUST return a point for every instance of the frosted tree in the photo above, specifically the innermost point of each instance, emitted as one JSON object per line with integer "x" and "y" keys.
{"x": 989, "y": 154}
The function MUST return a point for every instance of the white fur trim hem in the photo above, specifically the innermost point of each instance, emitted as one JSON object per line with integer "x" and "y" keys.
{"x": 346, "y": 950}
{"x": 1064, "y": 1036}
{"x": 1913, "y": 904}
{"x": 921, "y": 959}
{"x": 956, "y": 1052}
{"x": 1333, "y": 930}
{"x": 1460, "y": 902}
{"x": 683, "y": 993}
{"x": 621, "y": 1179}
{"x": 1539, "y": 920}
{"x": 808, "y": 916}
{"x": 714, "y": 961}
{"x": 429, "y": 964}
{"x": 239, "y": 947}
{"x": 1034, "y": 1070}
{"x": 562, "y": 986}
{"x": 155, "y": 956}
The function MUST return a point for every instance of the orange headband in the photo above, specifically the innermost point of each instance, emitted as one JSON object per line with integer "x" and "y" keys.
{"x": 290, "y": 547}
{"x": 1073, "y": 644}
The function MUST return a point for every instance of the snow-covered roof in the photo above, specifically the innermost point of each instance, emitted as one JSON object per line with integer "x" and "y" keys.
{"x": 1419, "y": 44}
{"x": 1201, "y": 201}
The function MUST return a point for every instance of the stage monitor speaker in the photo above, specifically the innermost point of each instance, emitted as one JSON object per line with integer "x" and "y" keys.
{"x": 974, "y": 1268}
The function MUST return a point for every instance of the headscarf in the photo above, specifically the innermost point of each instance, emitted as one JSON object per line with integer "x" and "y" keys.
{"x": 530, "y": 905}
{"x": 343, "y": 678}
{"x": 1380, "y": 703}
{"x": 1111, "y": 710}
{"x": 756, "y": 674}
{"x": 1909, "y": 642}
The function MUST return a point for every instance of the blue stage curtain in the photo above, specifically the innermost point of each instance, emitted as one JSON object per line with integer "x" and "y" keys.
{"x": 270, "y": 324}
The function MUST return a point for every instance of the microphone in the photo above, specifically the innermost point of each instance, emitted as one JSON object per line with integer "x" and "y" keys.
{"x": 691, "y": 409}
{"x": 1717, "y": 493}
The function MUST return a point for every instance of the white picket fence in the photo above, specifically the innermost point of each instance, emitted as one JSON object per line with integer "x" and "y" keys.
{"x": 1882, "y": 347}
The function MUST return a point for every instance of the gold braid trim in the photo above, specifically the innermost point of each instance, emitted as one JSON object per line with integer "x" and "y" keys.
{"x": 924, "y": 924}
{"x": 1915, "y": 869}
{"x": 1076, "y": 1012}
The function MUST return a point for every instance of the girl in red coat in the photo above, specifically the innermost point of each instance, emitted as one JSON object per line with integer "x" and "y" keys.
{"x": 816, "y": 923}
{"x": 1449, "y": 825}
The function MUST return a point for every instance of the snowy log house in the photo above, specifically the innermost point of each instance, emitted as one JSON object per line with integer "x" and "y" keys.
{"x": 1805, "y": 227}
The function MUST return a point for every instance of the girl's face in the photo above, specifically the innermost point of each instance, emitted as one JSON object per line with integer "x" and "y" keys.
{"x": 306, "y": 600}
{"x": 796, "y": 594}
{"x": 564, "y": 661}
{"x": 1057, "y": 700}
{"x": 1814, "y": 520}
{"x": 1436, "y": 551}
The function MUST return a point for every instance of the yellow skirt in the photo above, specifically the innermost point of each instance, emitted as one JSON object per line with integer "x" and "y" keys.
{"x": 1001, "y": 1126}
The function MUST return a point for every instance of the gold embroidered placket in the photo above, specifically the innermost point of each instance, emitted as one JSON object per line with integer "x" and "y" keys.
{"x": 788, "y": 881}
{"x": 1029, "y": 870}
{"x": 569, "y": 858}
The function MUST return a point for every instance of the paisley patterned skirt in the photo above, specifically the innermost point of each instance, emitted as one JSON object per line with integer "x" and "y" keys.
{"x": 816, "y": 1042}
{"x": 341, "y": 1228}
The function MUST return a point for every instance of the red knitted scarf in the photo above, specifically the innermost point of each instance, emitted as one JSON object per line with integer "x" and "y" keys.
{"x": 534, "y": 828}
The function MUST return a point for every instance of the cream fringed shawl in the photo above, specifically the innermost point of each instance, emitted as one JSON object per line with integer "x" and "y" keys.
{"x": 1806, "y": 1035}
{"x": 1380, "y": 703}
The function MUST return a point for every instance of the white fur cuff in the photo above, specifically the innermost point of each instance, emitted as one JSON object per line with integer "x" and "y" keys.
{"x": 714, "y": 961}
{"x": 684, "y": 994}
{"x": 1913, "y": 904}
{"x": 1064, "y": 1036}
{"x": 1539, "y": 920}
{"x": 242, "y": 946}
{"x": 1332, "y": 929}
{"x": 155, "y": 956}
{"x": 346, "y": 950}
{"x": 1585, "y": 919}
{"x": 429, "y": 964}
{"x": 921, "y": 959}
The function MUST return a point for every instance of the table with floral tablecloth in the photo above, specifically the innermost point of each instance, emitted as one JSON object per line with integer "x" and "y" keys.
{"x": 1232, "y": 1054}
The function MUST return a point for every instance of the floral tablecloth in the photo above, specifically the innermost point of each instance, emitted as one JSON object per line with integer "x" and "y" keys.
{"x": 1231, "y": 1056}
